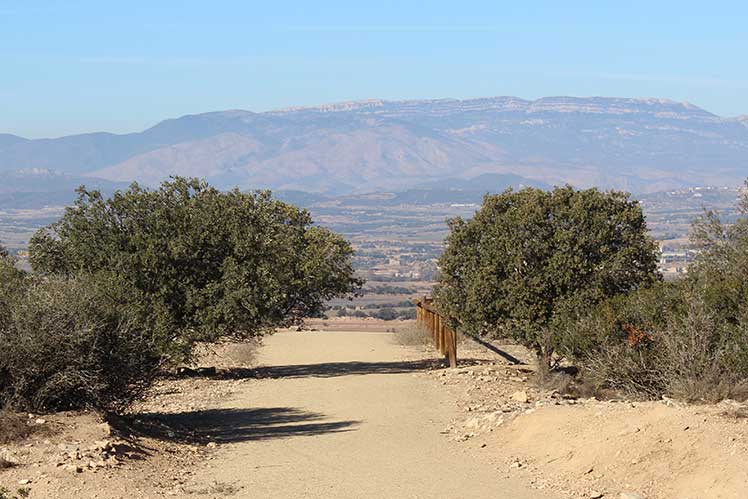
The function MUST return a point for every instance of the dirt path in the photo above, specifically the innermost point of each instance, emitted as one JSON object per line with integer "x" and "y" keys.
{"x": 343, "y": 415}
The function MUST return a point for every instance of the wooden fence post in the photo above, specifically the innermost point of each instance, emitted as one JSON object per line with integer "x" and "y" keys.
{"x": 444, "y": 338}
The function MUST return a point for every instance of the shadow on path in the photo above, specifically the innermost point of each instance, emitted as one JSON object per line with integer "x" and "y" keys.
{"x": 333, "y": 369}
{"x": 235, "y": 425}
{"x": 505, "y": 355}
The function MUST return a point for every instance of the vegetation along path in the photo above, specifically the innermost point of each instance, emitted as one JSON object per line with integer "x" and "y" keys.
{"x": 343, "y": 415}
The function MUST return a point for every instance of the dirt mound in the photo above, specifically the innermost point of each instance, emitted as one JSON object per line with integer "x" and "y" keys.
{"x": 656, "y": 449}
{"x": 590, "y": 448}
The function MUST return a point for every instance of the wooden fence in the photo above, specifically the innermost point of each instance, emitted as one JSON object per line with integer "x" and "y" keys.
{"x": 444, "y": 337}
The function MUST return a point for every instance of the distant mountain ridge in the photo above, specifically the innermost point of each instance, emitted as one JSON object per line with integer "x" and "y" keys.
{"x": 642, "y": 145}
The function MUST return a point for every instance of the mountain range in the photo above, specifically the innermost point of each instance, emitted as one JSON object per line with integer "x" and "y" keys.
{"x": 641, "y": 145}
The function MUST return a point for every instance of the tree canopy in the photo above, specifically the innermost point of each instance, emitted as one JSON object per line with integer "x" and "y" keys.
{"x": 529, "y": 257}
{"x": 210, "y": 264}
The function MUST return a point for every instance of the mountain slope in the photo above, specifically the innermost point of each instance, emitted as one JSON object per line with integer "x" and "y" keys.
{"x": 36, "y": 187}
{"x": 643, "y": 145}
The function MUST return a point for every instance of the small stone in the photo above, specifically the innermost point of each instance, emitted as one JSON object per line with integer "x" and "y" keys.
{"x": 24, "y": 482}
{"x": 211, "y": 445}
{"x": 72, "y": 468}
{"x": 595, "y": 494}
{"x": 520, "y": 396}
{"x": 40, "y": 421}
{"x": 473, "y": 423}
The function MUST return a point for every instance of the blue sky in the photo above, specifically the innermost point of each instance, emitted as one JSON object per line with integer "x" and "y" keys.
{"x": 76, "y": 66}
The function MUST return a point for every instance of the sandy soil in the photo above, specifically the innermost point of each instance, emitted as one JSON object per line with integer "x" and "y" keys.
{"x": 347, "y": 415}
{"x": 368, "y": 324}
{"x": 325, "y": 414}
{"x": 355, "y": 414}
{"x": 597, "y": 448}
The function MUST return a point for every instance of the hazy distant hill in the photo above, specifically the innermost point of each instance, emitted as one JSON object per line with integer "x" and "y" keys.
{"x": 643, "y": 145}
{"x": 39, "y": 187}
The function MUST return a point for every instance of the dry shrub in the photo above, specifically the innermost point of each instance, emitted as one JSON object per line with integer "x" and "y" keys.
{"x": 13, "y": 427}
{"x": 243, "y": 354}
{"x": 693, "y": 354}
{"x": 74, "y": 343}
{"x": 227, "y": 355}
{"x": 413, "y": 336}
{"x": 566, "y": 381}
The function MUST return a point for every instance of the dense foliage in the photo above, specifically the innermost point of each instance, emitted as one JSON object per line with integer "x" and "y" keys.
{"x": 74, "y": 342}
{"x": 690, "y": 337}
{"x": 209, "y": 264}
{"x": 529, "y": 258}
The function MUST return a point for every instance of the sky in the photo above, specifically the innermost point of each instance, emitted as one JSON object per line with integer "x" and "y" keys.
{"x": 79, "y": 66}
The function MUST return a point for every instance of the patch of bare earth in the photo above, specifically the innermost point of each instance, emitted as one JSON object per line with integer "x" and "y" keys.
{"x": 583, "y": 447}
{"x": 373, "y": 415}
{"x": 150, "y": 453}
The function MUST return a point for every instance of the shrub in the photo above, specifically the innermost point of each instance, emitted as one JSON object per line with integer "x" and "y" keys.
{"x": 343, "y": 312}
{"x": 76, "y": 342}
{"x": 684, "y": 350}
{"x": 688, "y": 339}
{"x": 529, "y": 257}
{"x": 408, "y": 314}
{"x": 413, "y": 336}
{"x": 208, "y": 265}
{"x": 13, "y": 427}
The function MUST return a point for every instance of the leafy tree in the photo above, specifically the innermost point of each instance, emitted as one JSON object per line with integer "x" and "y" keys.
{"x": 722, "y": 263}
{"x": 528, "y": 258}
{"x": 686, "y": 339}
{"x": 211, "y": 264}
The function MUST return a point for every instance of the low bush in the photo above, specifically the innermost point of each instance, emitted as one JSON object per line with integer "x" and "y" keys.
{"x": 75, "y": 342}
{"x": 415, "y": 336}
{"x": 13, "y": 427}
{"x": 687, "y": 340}
{"x": 663, "y": 342}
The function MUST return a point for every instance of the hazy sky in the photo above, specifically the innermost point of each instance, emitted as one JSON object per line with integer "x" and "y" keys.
{"x": 75, "y": 66}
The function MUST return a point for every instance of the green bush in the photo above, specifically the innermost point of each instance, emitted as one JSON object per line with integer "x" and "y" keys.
{"x": 75, "y": 342}
{"x": 209, "y": 265}
{"x": 693, "y": 334}
{"x": 530, "y": 257}
{"x": 385, "y": 314}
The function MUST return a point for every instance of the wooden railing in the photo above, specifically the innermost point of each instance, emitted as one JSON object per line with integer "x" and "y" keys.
{"x": 435, "y": 324}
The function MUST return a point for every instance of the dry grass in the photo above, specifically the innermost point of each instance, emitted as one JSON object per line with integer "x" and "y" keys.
{"x": 13, "y": 427}
{"x": 413, "y": 336}
{"x": 243, "y": 354}
{"x": 567, "y": 382}
{"x": 228, "y": 354}
{"x": 735, "y": 410}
